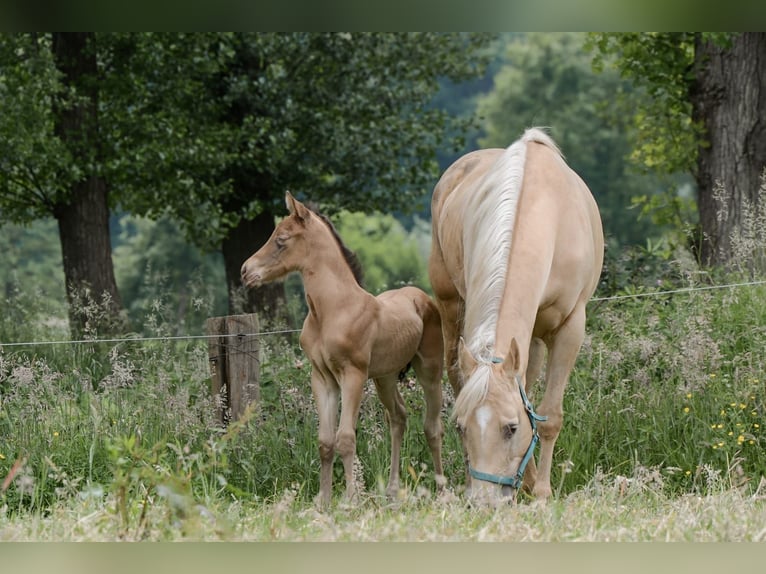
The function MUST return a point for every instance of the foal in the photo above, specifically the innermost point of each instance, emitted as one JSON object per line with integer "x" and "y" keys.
{"x": 350, "y": 336}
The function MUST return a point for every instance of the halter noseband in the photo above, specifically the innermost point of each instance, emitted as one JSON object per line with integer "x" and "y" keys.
{"x": 516, "y": 480}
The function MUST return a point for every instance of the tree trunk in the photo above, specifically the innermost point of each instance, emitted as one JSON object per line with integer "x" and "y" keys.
{"x": 729, "y": 100}
{"x": 94, "y": 301}
{"x": 242, "y": 241}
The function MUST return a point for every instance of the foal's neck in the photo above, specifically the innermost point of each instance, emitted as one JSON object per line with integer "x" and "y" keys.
{"x": 328, "y": 280}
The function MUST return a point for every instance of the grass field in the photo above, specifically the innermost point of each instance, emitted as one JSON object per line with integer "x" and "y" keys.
{"x": 662, "y": 440}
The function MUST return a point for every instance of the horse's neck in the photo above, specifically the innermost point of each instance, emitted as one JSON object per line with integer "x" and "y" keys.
{"x": 329, "y": 284}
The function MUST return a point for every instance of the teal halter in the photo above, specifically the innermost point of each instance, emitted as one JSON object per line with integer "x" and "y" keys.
{"x": 516, "y": 480}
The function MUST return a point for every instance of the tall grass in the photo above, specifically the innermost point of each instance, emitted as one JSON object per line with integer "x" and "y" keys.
{"x": 667, "y": 394}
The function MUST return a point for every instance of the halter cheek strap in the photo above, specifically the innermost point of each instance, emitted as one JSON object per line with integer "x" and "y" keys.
{"x": 515, "y": 480}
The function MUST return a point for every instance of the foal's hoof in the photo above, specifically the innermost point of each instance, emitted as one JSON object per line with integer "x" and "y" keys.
{"x": 322, "y": 502}
{"x": 394, "y": 493}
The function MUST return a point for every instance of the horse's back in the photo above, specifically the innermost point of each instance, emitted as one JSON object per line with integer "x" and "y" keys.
{"x": 407, "y": 316}
{"x": 557, "y": 202}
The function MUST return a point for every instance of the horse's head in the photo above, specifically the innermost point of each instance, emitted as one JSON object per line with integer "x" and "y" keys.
{"x": 496, "y": 423}
{"x": 284, "y": 250}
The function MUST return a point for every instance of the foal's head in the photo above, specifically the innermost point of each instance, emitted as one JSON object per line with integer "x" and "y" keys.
{"x": 494, "y": 424}
{"x": 290, "y": 245}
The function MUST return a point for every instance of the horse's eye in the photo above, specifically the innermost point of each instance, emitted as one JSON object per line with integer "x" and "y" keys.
{"x": 509, "y": 430}
{"x": 280, "y": 241}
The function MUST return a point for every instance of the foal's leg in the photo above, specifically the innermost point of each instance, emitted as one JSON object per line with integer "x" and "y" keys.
{"x": 563, "y": 349}
{"x": 351, "y": 387}
{"x": 534, "y": 368}
{"x": 326, "y": 397}
{"x": 396, "y": 415}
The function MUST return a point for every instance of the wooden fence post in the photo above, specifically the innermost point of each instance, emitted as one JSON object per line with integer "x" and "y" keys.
{"x": 234, "y": 355}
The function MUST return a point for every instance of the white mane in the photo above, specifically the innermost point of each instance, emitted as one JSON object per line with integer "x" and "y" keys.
{"x": 487, "y": 234}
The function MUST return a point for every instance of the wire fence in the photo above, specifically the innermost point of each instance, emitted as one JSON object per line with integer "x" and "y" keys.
{"x": 139, "y": 339}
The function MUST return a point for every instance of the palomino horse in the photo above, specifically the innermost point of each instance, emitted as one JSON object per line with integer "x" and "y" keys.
{"x": 349, "y": 335}
{"x": 517, "y": 252}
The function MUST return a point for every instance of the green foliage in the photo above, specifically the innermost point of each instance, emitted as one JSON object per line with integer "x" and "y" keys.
{"x": 163, "y": 279}
{"x": 660, "y": 65}
{"x": 30, "y": 258}
{"x": 547, "y": 80}
{"x": 390, "y": 256}
{"x": 36, "y": 168}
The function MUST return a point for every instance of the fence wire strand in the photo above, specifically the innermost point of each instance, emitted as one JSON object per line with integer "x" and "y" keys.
{"x": 170, "y": 338}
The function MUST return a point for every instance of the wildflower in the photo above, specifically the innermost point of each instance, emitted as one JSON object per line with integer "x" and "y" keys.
{"x": 756, "y": 426}
{"x": 688, "y": 472}
{"x": 2, "y": 456}
{"x": 712, "y": 375}
{"x": 742, "y": 406}
{"x": 55, "y": 433}
{"x": 688, "y": 395}
{"x": 686, "y": 409}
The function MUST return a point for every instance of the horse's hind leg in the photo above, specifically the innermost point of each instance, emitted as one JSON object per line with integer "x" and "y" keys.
{"x": 396, "y": 416}
{"x": 351, "y": 387}
{"x": 430, "y": 378}
{"x": 429, "y": 366}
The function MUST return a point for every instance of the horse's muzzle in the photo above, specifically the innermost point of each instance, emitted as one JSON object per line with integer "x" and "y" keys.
{"x": 250, "y": 279}
{"x": 492, "y": 496}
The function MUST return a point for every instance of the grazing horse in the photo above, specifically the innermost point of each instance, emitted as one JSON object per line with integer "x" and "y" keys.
{"x": 350, "y": 335}
{"x": 516, "y": 255}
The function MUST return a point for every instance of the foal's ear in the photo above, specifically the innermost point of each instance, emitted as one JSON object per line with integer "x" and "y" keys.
{"x": 295, "y": 207}
{"x": 512, "y": 360}
{"x": 465, "y": 357}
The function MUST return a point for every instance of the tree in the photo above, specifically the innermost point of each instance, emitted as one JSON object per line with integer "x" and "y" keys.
{"x": 92, "y": 122}
{"x": 705, "y": 100}
{"x": 341, "y": 119}
{"x": 49, "y": 161}
{"x": 547, "y": 80}
{"x": 211, "y": 128}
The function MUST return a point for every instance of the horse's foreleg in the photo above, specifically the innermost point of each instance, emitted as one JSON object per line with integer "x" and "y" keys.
{"x": 396, "y": 416}
{"x": 351, "y": 388}
{"x": 563, "y": 349}
{"x": 326, "y": 397}
{"x": 534, "y": 368}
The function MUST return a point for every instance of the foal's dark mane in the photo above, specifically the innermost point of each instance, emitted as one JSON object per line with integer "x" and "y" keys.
{"x": 351, "y": 259}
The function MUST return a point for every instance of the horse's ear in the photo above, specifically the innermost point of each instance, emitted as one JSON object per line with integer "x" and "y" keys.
{"x": 512, "y": 360}
{"x": 465, "y": 357}
{"x": 295, "y": 207}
